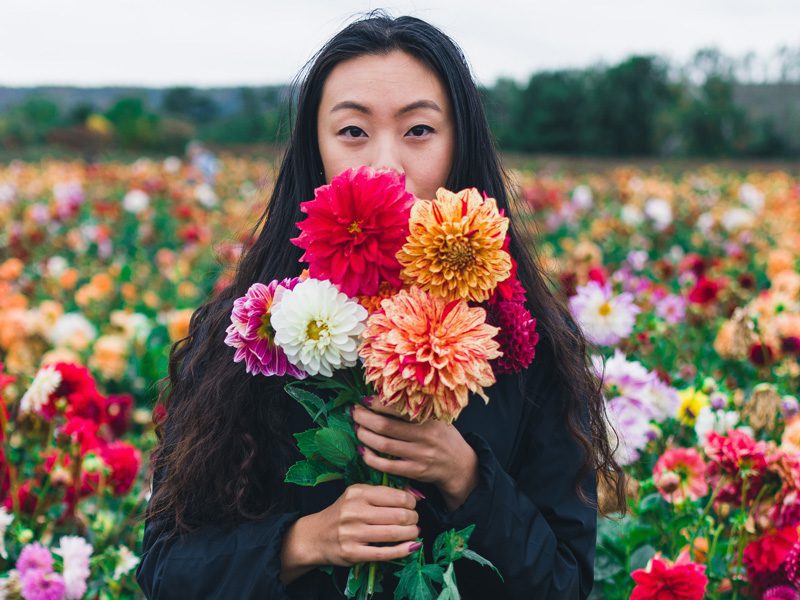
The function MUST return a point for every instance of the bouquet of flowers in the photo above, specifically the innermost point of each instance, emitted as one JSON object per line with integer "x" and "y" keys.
{"x": 413, "y": 301}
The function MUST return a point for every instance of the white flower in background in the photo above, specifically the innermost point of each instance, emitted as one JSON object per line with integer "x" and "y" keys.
{"x": 127, "y": 560}
{"x": 637, "y": 259}
{"x": 317, "y": 326}
{"x": 8, "y": 194}
{"x": 659, "y": 211}
{"x": 737, "y": 218}
{"x": 708, "y": 420}
{"x": 663, "y": 398}
{"x": 5, "y": 520}
{"x": 632, "y": 215}
{"x": 135, "y": 326}
{"x": 172, "y": 164}
{"x": 582, "y": 198}
{"x": 704, "y": 223}
{"x": 76, "y": 552}
{"x": 751, "y": 197}
{"x": 206, "y": 195}
{"x": 605, "y": 319}
{"x": 39, "y": 213}
{"x": 56, "y": 265}
{"x": 45, "y": 383}
{"x": 72, "y": 330}
{"x": 135, "y": 201}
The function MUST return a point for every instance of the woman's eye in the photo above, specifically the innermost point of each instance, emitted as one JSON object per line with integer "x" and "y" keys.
{"x": 356, "y": 131}
{"x": 419, "y": 130}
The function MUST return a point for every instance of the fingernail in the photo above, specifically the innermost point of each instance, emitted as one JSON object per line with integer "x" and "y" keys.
{"x": 352, "y": 410}
{"x": 355, "y": 427}
{"x": 415, "y": 492}
{"x": 414, "y": 546}
{"x": 419, "y": 531}
{"x": 361, "y": 450}
{"x": 368, "y": 400}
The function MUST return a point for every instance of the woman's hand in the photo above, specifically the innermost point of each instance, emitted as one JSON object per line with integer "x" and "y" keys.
{"x": 433, "y": 451}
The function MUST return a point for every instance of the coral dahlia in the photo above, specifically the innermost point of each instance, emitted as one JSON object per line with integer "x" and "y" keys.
{"x": 355, "y": 226}
{"x": 424, "y": 354}
{"x": 455, "y": 246}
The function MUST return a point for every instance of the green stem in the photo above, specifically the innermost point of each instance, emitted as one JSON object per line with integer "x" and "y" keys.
{"x": 373, "y": 565}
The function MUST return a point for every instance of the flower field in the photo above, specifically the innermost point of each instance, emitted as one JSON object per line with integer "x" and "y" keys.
{"x": 687, "y": 284}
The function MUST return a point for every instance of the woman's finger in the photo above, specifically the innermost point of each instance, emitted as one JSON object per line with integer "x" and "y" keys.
{"x": 399, "y": 467}
{"x": 387, "y": 426}
{"x": 388, "y": 533}
{"x": 387, "y": 445}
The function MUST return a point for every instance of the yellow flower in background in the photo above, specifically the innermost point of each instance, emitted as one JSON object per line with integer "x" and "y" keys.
{"x": 455, "y": 246}
{"x": 178, "y": 323}
{"x": 110, "y": 356}
{"x": 692, "y": 402}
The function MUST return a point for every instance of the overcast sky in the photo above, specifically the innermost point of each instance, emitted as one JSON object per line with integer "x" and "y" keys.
{"x": 199, "y": 42}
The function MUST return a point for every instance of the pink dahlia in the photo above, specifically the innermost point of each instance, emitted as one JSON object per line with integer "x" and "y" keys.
{"x": 679, "y": 474}
{"x": 355, "y": 226}
{"x": 251, "y": 333}
{"x": 517, "y": 337}
{"x": 734, "y": 458}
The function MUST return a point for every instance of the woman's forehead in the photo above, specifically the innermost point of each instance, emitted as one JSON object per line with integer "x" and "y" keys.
{"x": 392, "y": 84}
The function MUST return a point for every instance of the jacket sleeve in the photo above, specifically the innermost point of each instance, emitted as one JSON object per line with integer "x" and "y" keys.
{"x": 534, "y": 529}
{"x": 214, "y": 561}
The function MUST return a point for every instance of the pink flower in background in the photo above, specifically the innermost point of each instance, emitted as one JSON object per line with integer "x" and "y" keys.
{"x": 251, "y": 332}
{"x": 733, "y": 458}
{"x": 42, "y": 585}
{"x": 606, "y": 319}
{"x": 679, "y": 474}
{"x": 34, "y": 557}
{"x": 665, "y": 580}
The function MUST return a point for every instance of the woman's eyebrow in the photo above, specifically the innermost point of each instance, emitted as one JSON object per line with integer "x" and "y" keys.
{"x": 408, "y": 108}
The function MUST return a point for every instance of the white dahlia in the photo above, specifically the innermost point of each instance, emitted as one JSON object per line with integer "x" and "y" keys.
{"x": 317, "y": 326}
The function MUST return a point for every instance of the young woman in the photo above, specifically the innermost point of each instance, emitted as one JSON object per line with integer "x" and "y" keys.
{"x": 221, "y": 523}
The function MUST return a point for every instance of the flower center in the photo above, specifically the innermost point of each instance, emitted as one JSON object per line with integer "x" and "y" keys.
{"x": 459, "y": 255}
{"x": 605, "y": 309}
{"x": 266, "y": 332}
{"x": 355, "y": 227}
{"x": 316, "y": 329}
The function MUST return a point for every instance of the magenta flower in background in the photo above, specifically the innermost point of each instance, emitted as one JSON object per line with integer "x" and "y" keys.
{"x": 38, "y": 584}
{"x": 34, "y": 557}
{"x": 251, "y": 332}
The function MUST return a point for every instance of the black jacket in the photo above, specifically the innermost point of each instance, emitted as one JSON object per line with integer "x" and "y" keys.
{"x": 529, "y": 521}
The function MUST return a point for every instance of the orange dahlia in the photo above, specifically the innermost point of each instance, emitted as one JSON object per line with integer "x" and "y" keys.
{"x": 455, "y": 246}
{"x": 424, "y": 354}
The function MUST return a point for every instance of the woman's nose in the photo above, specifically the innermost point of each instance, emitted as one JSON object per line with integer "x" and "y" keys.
{"x": 387, "y": 159}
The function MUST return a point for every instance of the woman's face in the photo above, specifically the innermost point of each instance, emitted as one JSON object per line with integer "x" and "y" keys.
{"x": 387, "y": 111}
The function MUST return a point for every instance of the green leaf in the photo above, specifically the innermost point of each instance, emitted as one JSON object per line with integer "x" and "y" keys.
{"x": 450, "y": 544}
{"x": 307, "y": 442}
{"x": 310, "y": 473}
{"x": 314, "y": 405}
{"x": 605, "y": 567}
{"x": 640, "y": 557}
{"x": 335, "y": 446}
{"x": 414, "y": 584}
{"x": 340, "y": 420}
{"x": 450, "y": 589}
{"x": 472, "y": 555}
{"x": 356, "y": 579}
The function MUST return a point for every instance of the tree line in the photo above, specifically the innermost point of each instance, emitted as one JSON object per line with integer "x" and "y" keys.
{"x": 642, "y": 106}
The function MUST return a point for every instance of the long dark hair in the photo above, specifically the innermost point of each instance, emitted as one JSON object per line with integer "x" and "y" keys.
{"x": 224, "y": 443}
